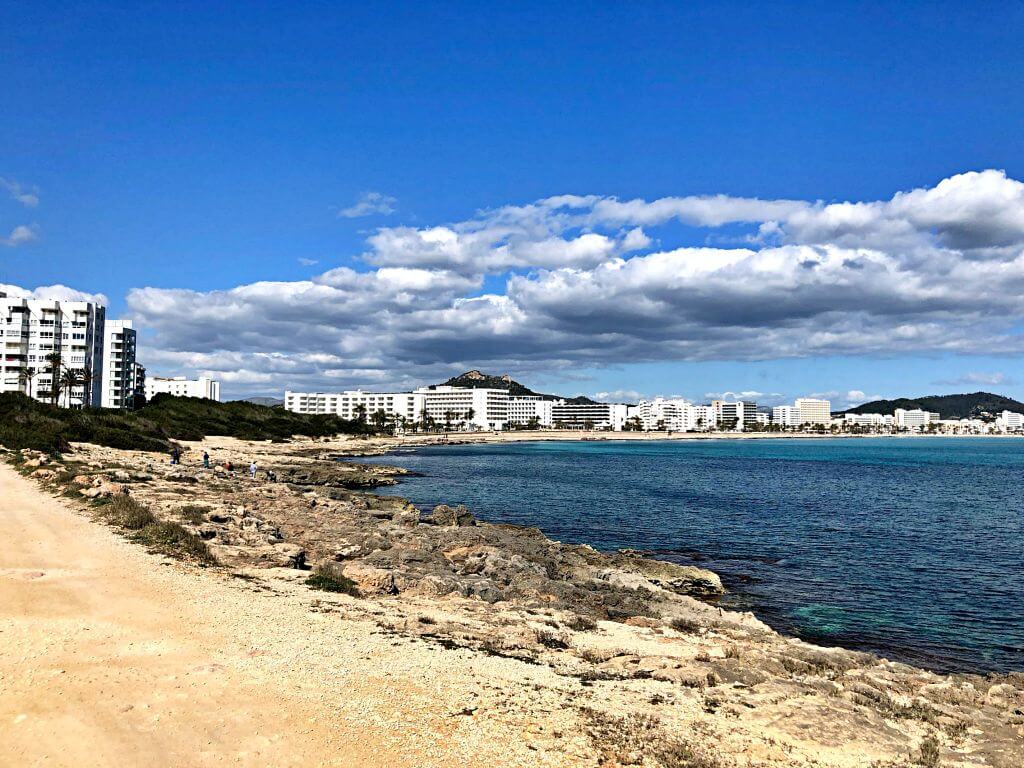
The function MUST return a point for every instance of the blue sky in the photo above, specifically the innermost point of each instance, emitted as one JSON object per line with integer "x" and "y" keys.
{"x": 208, "y": 146}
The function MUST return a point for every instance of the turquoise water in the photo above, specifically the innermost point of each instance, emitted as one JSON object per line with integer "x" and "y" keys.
{"x": 911, "y": 548}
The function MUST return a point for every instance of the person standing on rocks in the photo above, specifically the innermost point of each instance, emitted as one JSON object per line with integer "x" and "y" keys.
{"x": 206, "y": 460}
{"x": 252, "y": 470}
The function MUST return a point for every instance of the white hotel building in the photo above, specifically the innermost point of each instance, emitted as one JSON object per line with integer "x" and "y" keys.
{"x": 525, "y": 410}
{"x": 33, "y": 329}
{"x": 179, "y": 386}
{"x": 458, "y": 407}
{"x": 352, "y": 403}
{"x": 583, "y": 415}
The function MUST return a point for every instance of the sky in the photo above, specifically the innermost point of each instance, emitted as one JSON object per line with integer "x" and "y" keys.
{"x": 619, "y": 200}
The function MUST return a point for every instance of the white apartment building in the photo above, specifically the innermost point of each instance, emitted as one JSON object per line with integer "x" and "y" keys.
{"x": 31, "y": 330}
{"x": 913, "y": 418}
{"x": 739, "y": 413}
{"x": 1008, "y": 421}
{"x": 119, "y": 375}
{"x": 179, "y": 386}
{"x": 786, "y": 416}
{"x": 524, "y": 410}
{"x": 465, "y": 407}
{"x": 813, "y": 411}
{"x": 610, "y": 416}
{"x": 670, "y": 414}
{"x": 867, "y": 420}
{"x": 704, "y": 417}
{"x": 354, "y": 404}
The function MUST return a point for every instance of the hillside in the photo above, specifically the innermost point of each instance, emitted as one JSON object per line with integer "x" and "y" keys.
{"x": 963, "y": 406}
{"x": 476, "y": 380}
{"x": 27, "y": 423}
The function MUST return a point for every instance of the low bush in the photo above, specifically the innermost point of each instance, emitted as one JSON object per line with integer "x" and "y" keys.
{"x": 193, "y": 513}
{"x": 328, "y": 577}
{"x": 28, "y": 423}
{"x": 125, "y": 512}
{"x": 171, "y": 539}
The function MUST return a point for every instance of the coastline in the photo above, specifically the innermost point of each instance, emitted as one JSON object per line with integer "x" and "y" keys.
{"x": 621, "y": 640}
{"x": 376, "y": 445}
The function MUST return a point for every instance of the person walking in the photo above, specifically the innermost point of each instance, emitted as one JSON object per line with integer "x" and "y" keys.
{"x": 176, "y": 455}
{"x": 252, "y": 470}
{"x": 206, "y": 460}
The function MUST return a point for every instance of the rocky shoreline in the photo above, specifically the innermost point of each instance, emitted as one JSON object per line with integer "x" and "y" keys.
{"x": 679, "y": 681}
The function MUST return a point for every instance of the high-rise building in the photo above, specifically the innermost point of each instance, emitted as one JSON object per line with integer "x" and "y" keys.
{"x": 813, "y": 411}
{"x": 119, "y": 374}
{"x": 52, "y": 350}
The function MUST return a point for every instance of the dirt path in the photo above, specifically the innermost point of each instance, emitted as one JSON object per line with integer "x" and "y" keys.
{"x": 113, "y": 657}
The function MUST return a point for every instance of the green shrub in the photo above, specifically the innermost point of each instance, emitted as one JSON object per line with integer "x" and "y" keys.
{"x": 125, "y": 512}
{"x": 171, "y": 539}
{"x": 193, "y": 513}
{"x": 27, "y": 423}
{"x": 328, "y": 577}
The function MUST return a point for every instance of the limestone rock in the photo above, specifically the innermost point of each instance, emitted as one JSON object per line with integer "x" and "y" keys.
{"x": 455, "y": 516}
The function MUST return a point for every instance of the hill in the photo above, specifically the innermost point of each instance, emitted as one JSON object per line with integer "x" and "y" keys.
{"x": 27, "y": 423}
{"x": 965, "y": 406}
{"x": 476, "y": 380}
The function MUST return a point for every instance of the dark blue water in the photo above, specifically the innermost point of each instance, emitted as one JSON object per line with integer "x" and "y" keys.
{"x": 911, "y": 548}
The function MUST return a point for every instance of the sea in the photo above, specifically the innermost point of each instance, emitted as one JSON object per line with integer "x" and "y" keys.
{"x": 911, "y": 548}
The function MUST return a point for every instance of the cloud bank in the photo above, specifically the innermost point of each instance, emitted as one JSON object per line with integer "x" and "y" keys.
{"x": 592, "y": 280}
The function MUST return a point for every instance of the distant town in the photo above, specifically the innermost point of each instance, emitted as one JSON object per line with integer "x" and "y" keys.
{"x": 66, "y": 353}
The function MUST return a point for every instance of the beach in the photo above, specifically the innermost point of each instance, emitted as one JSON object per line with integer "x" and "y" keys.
{"x": 462, "y": 642}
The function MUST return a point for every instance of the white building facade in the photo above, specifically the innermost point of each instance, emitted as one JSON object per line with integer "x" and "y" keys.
{"x": 914, "y": 419}
{"x": 119, "y": 375}
{"x": 1009, "y": 421}
{"x": 355, "y": 404}
{"x": 529, "y": 410}
{"x": 668, "y": 414}
{"x": 34, "y": 330}
{"x": 179, "y": 386}
{"x": 786, "y": 416}
{"x": 463, "y": 407}
{"x": 812, "y": 410}
{"x": 608, "y": 416}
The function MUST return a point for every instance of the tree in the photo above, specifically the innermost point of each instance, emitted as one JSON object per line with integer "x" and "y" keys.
{"x": 53, "y": 360}
{"x": 470, "y": 414}
{"x": 360, "y": 411}
{"x": 533, "y": 423}
{"x": 380, "y": 419}
{"x": 70, "y": 379}
{"x": 448, "y": 416}
{"x": 25, "y": 376}
{"x": 588, "y": 424}
{"x": 87, "y": 379}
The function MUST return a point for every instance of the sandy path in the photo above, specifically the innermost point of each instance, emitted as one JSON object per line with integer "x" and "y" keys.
{"x": 113, "y": 657}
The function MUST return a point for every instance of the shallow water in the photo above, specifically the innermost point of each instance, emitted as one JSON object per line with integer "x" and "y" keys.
{"x": 912, "y": 548}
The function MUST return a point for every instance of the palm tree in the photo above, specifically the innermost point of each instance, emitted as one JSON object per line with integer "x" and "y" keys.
{"x": 53, "y": 360}
{"x": 469, "y": 415}
{"x": 70, "y": 379}
{"x": 448, "y": 416}
{"x": 86, "y": 377}
{"x": 25, "y": 376}
{"x": 361, "y": 413}
{"x": 380, "y": 418}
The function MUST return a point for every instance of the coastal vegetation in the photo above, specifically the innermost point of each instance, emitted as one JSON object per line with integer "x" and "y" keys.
{"x": 29, "y": 424}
